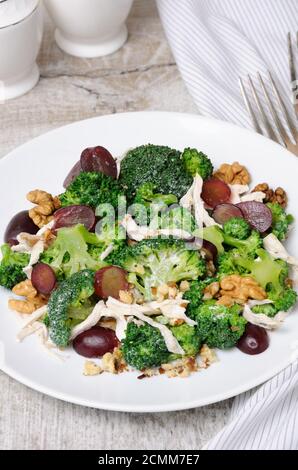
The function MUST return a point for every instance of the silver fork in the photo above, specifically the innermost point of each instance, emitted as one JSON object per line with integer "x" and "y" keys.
{"x": 289, "y": 141}
{"x": 293, "y": 72}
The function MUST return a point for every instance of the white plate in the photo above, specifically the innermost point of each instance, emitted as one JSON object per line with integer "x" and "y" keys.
{"x": 43, "y": 163}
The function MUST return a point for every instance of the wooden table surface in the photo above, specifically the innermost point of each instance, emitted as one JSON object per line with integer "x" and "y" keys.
{"x": 141, "y": 76}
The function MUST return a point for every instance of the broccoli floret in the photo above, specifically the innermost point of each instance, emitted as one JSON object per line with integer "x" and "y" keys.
{"x": 280, "y": 220}
{"x": 284, "y": 301}
{"x": 154, "y": 262}
{"x": 213, "y": 235}
{"x": 197, "y": 163}
{"x": 110, "y": 233}
{"x": 73, "y": 250}
{"x": 11, "y": 267}
{"x": 269, "y": 273}
{"x": 151, "y": 203}
{"x": 248, "y": 246}
{"x": 195, "y": 295}
{"x": 71, "y": 295}
{"x": 281, "y": 303}
{"x": 91, "y": 189}
{"x": 227, "y": 263}
{"x": 179, "y": 218}
{"x": 156, "y": 164}
{"x": 219, "y": 326}
{"x": 237, "y": 227}
{"x": 188, "y": 338}
{"x": 144, "y": 346}
{"x": 146, "y": 195}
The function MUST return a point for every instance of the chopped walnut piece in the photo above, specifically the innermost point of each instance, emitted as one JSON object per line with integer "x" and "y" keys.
{"x": 278, "y": 195}
{"x": 173, "y": 292}
{"x": 207, "y": 356}
{"x": 114, "y": 362}
{"x": 239, "y": 289}
{"x": 162, "y": 292}
{"x": 233, "y": 174}
{"x": 184, "y": 286}
{"x": 32, "y": 301}
{"x": 165, "y": 291}
{"x": 48, "y": 237}
{"x": 211, "y": 269}
{"x": 45, "y": 206}
{"x": 108, "y": 323}
{"x": 211, "y": 290}
{"x": 91, "y": 369}
{"x": 126, "y": 296}
{"x": 181, "y": 368}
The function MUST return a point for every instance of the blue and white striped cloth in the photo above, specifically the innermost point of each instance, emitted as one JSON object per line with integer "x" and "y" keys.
{"x": 214, "y": 42}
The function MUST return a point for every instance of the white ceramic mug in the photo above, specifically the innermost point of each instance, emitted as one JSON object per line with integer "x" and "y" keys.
{"x": 89, "y": 28}
{"x": 20, "y": 42}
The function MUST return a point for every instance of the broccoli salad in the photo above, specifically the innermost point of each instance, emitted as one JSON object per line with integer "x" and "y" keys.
{"x": 151, "y": 262}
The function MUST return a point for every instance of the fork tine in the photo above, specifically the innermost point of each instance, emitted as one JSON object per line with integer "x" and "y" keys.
{"x": 249, "y": 108}
{"x": 289, "y": 119}
{"x": 266, "y": 121}
{"x": 293, "y": 73}
{"x": 275, "y": 116}
{"x": 291, "y": 58}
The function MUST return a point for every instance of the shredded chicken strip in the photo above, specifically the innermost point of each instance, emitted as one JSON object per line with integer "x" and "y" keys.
{"x": 263, "y": 320}
{"x": 137, "y": 232}
{"x": 192, "y": 199}
{"x": 236, "y": 191}
{"x": 115, "y": 307}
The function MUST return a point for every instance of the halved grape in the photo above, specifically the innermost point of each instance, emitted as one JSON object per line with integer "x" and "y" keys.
{"x": 110, "y": 281}
{"x": 43, "y": 278}
{"x": 215, "y": 192}
{"x": 74, "y": 172}
{"x": 257, "y": 214}
{"x": 73, "y": 215}
{"x": 254, "y": 341}
{"x": 95, "y": 342}
{"x": 209, "y": 250}
{"x": 21, "y": 222}
{"x": 224, "y": 212}
{"x": 99, "y": 159}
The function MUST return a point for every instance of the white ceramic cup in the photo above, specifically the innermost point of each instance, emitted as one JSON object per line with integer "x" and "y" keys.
{"x": 19, "y": 46}
{"x": 89, "y": 28}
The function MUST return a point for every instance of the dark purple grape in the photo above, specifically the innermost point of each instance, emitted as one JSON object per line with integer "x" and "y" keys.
{"x": 21, "y": 222}
{"x": 74, "y": 215}
{"x": 43, "y": 278}
{"x": 257, "y": 214}
{"x": 210, "y": 250}
{"x": 215, "y": 192}
{"x": 254, "y": 341}
{"x": 110, "y": 281}
{"x": 95, "y": 342}
{"x": 224, "y": 212}
{"x": 74, "y": 172}
{"x": 99, "y": 159}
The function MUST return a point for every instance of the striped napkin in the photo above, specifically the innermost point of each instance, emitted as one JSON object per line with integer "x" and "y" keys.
{"x": 214, "y": 42}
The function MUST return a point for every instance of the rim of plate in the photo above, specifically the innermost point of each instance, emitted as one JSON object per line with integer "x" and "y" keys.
{"x": 123, "y": 407}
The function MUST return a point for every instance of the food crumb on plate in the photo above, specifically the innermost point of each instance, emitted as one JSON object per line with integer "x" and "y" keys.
{"x": 90, "y": 369}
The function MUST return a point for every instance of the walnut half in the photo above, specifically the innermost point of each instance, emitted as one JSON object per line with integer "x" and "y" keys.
{"x": 233, "y": 174}
{"x": 32, "y": 300}
{"x": 234, "y": 289}
{"x": 46, "y": 204}
{"x": 238, "y": 289}
{"x": 278, "y": 195}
